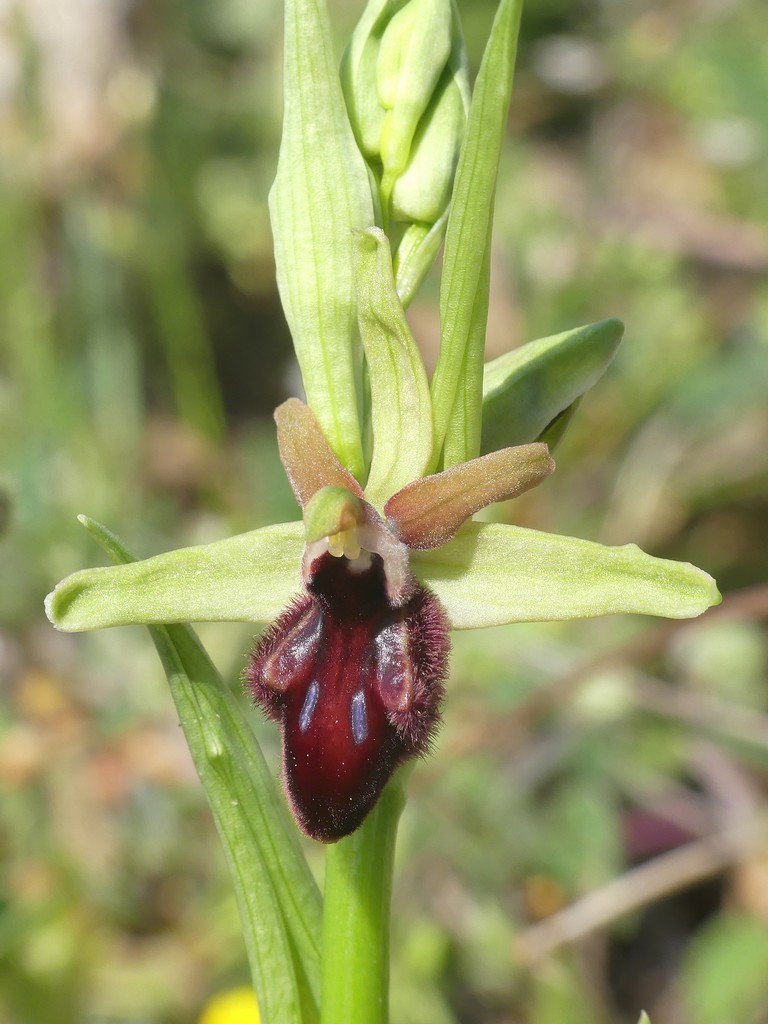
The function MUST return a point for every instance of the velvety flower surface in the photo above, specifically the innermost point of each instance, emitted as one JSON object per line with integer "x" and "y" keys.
{"x": 356, "y": 684}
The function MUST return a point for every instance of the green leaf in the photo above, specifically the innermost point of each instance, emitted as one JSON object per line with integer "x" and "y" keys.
{"x": 321, "y": 193}
{"x": 457, "y": 383}
{"x": 490, "y": 574}
{"x": 644, "y": 1018}
{"x": 462, "y": 440}
{"x": 526, "y": 389}
{"x": 248, "y": 578}
{"x": 277, "y": 897}
{"x": 724, "y": 976}
{"x": 401, "y": 410}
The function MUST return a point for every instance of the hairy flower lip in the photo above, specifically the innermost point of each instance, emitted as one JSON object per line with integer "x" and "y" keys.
{"x": 355, "y": 682}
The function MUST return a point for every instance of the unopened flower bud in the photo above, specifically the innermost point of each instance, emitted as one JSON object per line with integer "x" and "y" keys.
{"x": 413, "y": 54}
{"x": 405, "y": 81}
{"x": 358, "y": 77}
{"x": 423, "y": 189}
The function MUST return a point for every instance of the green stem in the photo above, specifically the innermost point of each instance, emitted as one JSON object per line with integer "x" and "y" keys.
{"x": 358, "y": 886}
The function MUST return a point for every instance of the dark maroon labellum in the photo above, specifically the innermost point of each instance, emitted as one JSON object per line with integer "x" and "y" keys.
{"x": 356, "y": 685}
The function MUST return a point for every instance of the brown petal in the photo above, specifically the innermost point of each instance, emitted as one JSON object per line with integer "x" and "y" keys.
{"x": 309, "y": 460}
{"x": 428, "y": 512}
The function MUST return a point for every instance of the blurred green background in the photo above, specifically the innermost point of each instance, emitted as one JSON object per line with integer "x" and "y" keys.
{"x": 142, "y": 349}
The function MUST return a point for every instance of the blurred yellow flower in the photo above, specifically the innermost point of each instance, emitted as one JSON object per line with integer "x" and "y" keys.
{"x": 238, "y": 1006}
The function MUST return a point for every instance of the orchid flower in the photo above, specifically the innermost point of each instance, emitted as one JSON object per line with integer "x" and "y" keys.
{"x": 353, "y": 666}
{"x": 377, "y": 165}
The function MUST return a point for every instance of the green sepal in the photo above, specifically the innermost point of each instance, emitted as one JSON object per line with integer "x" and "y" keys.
{"x": 247, "y": 578}
{"x": 491, "y": 574}
{"x": 457, "y": 382}
{"x": 320, "y": 195}
{"x": 526, "y": 389}
{"x": 401, "y": 409}
{"x": 279, "y": 902}
{"x": 331, "y": 510}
